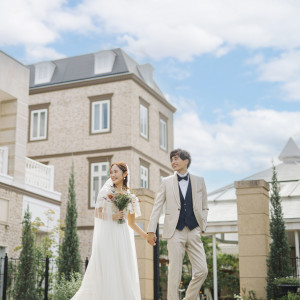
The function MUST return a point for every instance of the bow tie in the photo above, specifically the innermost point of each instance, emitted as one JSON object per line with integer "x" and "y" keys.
{"x": 186, "y": 177}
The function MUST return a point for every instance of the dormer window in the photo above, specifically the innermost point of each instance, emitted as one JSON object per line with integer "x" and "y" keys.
{"x": 44, "y": 72}
{"x": 104, "y": 61}
{"x": 146, "y": 71}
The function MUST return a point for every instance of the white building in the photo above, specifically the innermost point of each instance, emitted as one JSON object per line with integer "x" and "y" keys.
{"x": 222, "y": 218}
{"x": 23, "y": 181}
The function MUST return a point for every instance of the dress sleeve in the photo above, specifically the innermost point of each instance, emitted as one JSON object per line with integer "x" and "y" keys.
{"x": 101, "y": 199}
{"x": 134, "y": 206}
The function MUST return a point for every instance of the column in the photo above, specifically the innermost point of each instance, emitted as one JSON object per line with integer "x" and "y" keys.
{"x": 144, "y": 250}
{"x": 297, "y": 252}
{"x": 253, "y": 234}
{"x": 215, "y": 267}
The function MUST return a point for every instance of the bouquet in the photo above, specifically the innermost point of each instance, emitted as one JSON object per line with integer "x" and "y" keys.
{"x": 121, "y": 201}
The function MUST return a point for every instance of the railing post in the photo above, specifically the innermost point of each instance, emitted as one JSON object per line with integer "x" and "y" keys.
{"x": 5, "y": 277}
{"x": 3, "y": 160}
{"x": 86, "y": 262}
{"x": 51, "y": 178}
{"x": 46, "y": 278}
{"x": 156, "y": 266}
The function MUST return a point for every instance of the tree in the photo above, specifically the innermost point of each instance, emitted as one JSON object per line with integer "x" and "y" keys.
{"x": 45, "y": 245}
{"x": 25, "y": 285}
{"x": 279, "y": 257}
{"x": 69, "y": 259}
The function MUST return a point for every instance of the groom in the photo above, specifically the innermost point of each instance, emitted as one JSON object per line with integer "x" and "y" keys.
{"x": 185, "y": 219}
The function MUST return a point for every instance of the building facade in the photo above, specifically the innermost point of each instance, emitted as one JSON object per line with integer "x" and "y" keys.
{"x": 93, "y": 110}
{"x": 223, "y": 217}
{"x": 23, "y": 182}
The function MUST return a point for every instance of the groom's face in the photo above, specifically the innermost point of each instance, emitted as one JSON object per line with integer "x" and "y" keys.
{"x": 178, "y": 164}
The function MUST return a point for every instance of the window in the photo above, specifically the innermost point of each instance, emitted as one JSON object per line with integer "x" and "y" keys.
{"x": 44, "y": 72}
{"x": 144, "y": 121}
{"x": 100, "y": 116}
{"x": 144, "y": 177}
{"x": 104, "y": 61}
{"x": 38, "y": 124}
{"x": 162, "y": 175}
{"x": 99, "y": 175}
{"x": 163, "y": 134}
{"x": 4, "y": 210}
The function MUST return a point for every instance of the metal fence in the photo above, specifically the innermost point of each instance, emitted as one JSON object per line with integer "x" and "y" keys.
{"x": 45, "y": 277}
{"x": 295, "y": 262}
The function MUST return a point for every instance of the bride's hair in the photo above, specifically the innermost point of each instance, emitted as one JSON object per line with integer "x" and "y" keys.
{"x": 123, "y": 167}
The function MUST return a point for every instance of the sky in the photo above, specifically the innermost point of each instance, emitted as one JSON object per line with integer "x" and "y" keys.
{"x": 230, "y": 67}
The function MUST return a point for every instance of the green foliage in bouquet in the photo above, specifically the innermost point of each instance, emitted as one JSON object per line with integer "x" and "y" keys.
{"x": 121, "y": 201}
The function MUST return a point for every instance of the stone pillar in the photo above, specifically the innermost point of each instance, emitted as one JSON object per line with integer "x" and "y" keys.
{"x": 144, "y": 250}
{"x": 14, "y": 98}
{"x": 253, "y": 233}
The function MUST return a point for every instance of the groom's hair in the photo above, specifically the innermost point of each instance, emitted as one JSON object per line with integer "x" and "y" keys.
{"x": 183, "y": 154}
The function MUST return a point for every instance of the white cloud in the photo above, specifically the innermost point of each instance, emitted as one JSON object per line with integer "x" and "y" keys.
{"x": 160, "y": 29}
{"x": 37, "y": 24}
{"x": 41, "y": 53}
{"x": 284, "y": 69}
{"x": 157, "y": 28}
{"x": 249, "y": 140}
{"x": 175, "y": 28}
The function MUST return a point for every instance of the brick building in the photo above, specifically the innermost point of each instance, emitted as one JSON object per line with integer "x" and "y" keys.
{"x": 95, "y": 109}
{"x": 22, "y": 181}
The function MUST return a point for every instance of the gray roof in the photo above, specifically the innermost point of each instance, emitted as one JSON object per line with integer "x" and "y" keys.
{"x": 81, "y": 67}
{"x": 291, "y": 152}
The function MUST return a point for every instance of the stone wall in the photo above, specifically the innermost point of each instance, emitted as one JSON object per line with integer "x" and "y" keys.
{"x": 11, "y": 221}
{"x": 254, "y": 236}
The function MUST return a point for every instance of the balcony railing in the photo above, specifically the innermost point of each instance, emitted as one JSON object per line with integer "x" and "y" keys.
{"x": 3, "y": 160}
{"x": 38, "y": 174}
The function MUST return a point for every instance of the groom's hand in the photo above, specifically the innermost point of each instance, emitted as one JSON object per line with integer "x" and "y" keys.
{"x": 151, "y": 238}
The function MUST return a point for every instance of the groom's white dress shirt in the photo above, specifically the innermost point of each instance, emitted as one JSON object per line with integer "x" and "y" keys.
{"x": 184, "y": 184}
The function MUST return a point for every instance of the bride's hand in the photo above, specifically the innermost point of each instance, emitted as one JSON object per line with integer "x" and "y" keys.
{"x": 119, "y": 215}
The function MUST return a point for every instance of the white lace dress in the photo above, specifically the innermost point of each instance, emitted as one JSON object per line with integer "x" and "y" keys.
{"x": 112, "y": 273}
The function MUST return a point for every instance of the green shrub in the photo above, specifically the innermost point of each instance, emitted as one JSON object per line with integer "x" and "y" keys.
{"x": 287, "y": 280}
{"x": 251, "y": 295}
{"x": 291, "y": 296}
{"x": 64, "y": 289}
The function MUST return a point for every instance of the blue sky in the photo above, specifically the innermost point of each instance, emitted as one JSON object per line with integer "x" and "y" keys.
{"x": 231, "y": 67}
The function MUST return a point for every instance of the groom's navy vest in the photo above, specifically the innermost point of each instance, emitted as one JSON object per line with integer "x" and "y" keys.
{"x": 187, "y": 216}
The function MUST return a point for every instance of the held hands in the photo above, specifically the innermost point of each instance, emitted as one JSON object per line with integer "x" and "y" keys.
{"x": 151, "y": 238}
{"x": 119, "y": 215}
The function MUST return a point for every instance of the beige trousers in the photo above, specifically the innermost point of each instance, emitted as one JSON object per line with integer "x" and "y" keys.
{"x": 189, "y": 241}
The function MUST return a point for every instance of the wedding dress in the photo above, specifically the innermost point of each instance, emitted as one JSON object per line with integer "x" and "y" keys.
{"x": 112, "y": 272}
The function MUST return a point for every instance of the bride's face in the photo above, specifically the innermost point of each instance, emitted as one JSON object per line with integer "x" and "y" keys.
{"x": 116, "y": 175}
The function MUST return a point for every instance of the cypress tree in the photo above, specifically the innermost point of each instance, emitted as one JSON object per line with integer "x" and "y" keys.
{"x": 69, "y": 258}
{"x": 279, "y": 257}
{"x": 25, "y": 285}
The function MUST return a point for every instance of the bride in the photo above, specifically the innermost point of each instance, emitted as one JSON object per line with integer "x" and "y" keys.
{"x": 112, "y": 273}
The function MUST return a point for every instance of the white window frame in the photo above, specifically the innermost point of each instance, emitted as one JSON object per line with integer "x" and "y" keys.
{"x": 101, "y": 129}
{"x": 44, "y": 72}
{"x": 163, "y": 135}
{"x": 144, "y": 177}
{"x": 99, "y": 174}
{"x": 144, "y": 121}
{"x": 39, "y": 112}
